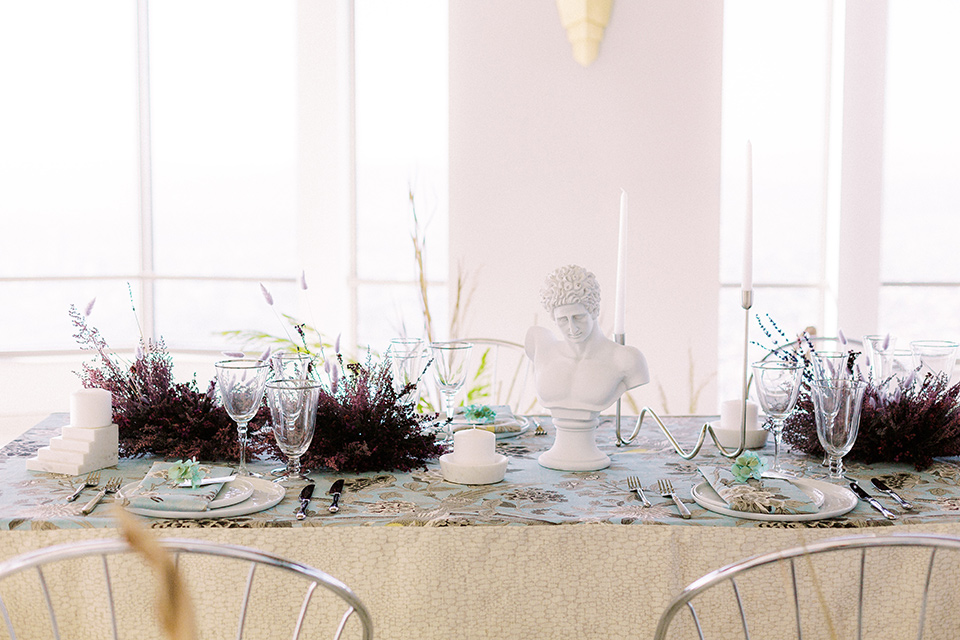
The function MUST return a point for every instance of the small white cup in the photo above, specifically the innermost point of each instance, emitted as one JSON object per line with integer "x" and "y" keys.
{"x": 730, "y": 415}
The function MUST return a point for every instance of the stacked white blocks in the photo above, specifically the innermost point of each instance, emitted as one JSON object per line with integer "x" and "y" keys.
{"x": 90, "y": 442}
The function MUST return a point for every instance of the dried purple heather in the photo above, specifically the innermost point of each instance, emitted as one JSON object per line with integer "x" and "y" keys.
{"x": 266, "y": 295}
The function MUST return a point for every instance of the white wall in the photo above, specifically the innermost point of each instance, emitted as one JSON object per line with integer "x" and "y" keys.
{"x": 540, "y": 148}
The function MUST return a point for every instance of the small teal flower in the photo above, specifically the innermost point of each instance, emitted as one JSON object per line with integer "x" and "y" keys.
{"x": 479, "y": 414}
{"x": 186, "y": 470}
{"x": 748, "y": 465}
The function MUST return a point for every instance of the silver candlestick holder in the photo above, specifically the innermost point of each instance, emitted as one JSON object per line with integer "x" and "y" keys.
{"x": 746, "y": 301}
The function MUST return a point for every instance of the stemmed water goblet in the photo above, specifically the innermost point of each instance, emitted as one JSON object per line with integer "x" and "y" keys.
{"x": 837, "y": 406}
{"x": 406, "y": 354}
{"x": 293, "y": 413}
{"x": 778, "y": 385}
{"x": 242, "y": 383}
{"x": 450, "y": 372}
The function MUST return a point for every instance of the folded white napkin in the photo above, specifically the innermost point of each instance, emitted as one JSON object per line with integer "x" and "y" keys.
{"x": 158, "y": 491}
{"x": 770, "y": 495}
{"x": 504, "y": 422}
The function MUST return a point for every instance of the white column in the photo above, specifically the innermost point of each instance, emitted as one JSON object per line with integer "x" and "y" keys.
{"x": 326, "y": 219}
{"x": 861, "y": 198}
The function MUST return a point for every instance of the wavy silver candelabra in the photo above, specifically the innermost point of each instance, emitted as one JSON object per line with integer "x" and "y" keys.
{"x": 746, "y": 301}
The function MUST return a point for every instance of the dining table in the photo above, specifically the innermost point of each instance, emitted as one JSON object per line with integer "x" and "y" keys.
{"x": 541, "y": 554}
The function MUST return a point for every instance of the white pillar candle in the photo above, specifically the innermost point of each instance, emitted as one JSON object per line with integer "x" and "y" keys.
{"x": 730, "y": 415}
{"x": 620, "y": 309}
{"x": 91, "y": 408}
{"x": 474, "y": 447}
{"x": 747, "y": 282}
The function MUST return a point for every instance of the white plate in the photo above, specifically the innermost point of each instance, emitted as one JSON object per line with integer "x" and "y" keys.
{"x": 264, "y": 494}
{"x": 232, "y": 492}
{"x": 523, "y": 421}
{"x": 524, "y": 427}
{"x": 836, "y": 502}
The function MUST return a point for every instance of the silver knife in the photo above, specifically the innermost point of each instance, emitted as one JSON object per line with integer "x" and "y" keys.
{"x": 335, "y": 491}
{"x": 305, "y": 494}
{"x": 882, "y": 486}
{"x": 873, "y": 502}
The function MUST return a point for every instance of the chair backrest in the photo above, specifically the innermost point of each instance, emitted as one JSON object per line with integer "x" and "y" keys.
{"x": 103, "y": 589}
{"x": 895, "y": 586}
{"x": 501, "y": 374}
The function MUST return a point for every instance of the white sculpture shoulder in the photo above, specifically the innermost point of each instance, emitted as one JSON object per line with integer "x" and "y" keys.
{"x": 584, "y": 372}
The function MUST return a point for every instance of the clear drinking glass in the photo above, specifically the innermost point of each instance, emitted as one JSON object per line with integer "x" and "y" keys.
{"x": 837, "y": 406}
{"x": 406, "y": 356}
{"x": 450, "y": 372}
{"x": 293, "y": 365}
{"x": 831, "y": 365}
{"x": 241, "y": 384}
{"x": 873, "y": 348}
{"x": 778, "y": 384}
{"x": 293, "y": 412}
{"x": 934, "y": 357}
{"x": 895, "y": 365}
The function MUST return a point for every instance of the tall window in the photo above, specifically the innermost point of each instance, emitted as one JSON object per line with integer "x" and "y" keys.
{"x": 920, "y": 292}
{"x": 775, "y": 60}
{"x": 221, "y": 214}
{"x": 784, "y": 76}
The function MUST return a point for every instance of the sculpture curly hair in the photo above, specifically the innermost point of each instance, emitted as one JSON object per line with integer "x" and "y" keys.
{"x": 571, "y": 285}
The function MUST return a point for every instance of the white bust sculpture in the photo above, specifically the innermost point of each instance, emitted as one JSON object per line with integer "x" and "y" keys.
{"x": 582, "y": 373}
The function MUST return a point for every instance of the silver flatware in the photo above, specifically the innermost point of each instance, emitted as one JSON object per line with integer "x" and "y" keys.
{"x": 111, "y": 487}
{"x": 666, "y": 490}
{"x": 92, "y": 480}
{"x": 873, "y": 502}
{"x": 634, "y": 483}
{"x": 539, "y": 431}
{"x": 305, "y": 494}
{"x": 335, "y": 491}
{"x": 882, "y": 486}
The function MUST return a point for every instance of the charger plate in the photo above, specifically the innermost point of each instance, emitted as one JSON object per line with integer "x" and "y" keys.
{"x": 263, "y": 495}
{"x": 837, "y": 501}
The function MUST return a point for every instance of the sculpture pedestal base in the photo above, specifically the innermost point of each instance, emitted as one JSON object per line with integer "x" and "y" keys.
{"x": 575, "y": 448}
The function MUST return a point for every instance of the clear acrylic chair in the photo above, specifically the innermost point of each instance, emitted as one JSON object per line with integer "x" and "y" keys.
{"x": 500, "y": 371}
{"x": 102, "y": 589}
{"x": 893, "y": 586}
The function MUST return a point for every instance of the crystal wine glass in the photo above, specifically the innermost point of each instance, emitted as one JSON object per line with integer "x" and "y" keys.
{"x": 241, "y": 384}
{"x": 293, "y": 412}
{"x": 778, "y": 384}
{"x": 406, "y": 354}
{"x": 298, "y": 365}
{"x": 837, "y": 407}
{"x": 450, "y": 372}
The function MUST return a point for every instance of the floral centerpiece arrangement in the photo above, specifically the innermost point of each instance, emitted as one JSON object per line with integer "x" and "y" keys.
{"x": 909, "y": 420}
{"x": 154, "y": 414}
{"x": 363, "y": 426}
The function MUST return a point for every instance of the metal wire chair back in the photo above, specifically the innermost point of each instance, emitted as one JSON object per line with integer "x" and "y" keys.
{"x": 893, "y": 586}
{"x": 103, "y": 589}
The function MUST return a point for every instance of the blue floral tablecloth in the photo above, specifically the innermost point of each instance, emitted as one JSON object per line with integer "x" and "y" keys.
{"x": 528, "y": 495}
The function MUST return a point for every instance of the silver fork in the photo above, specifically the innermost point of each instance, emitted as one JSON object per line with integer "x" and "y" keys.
{"x": 634, "y": 483}
{"x": 92, "y": 480}
{"x": 111, "y": 487}
{"x": 666, "y": 490}
{"x": 539, "y": 431}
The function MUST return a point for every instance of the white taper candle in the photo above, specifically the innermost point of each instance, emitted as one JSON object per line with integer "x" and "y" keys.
{"x": 747, "y": 282}
{"x": 620, "y": 309}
